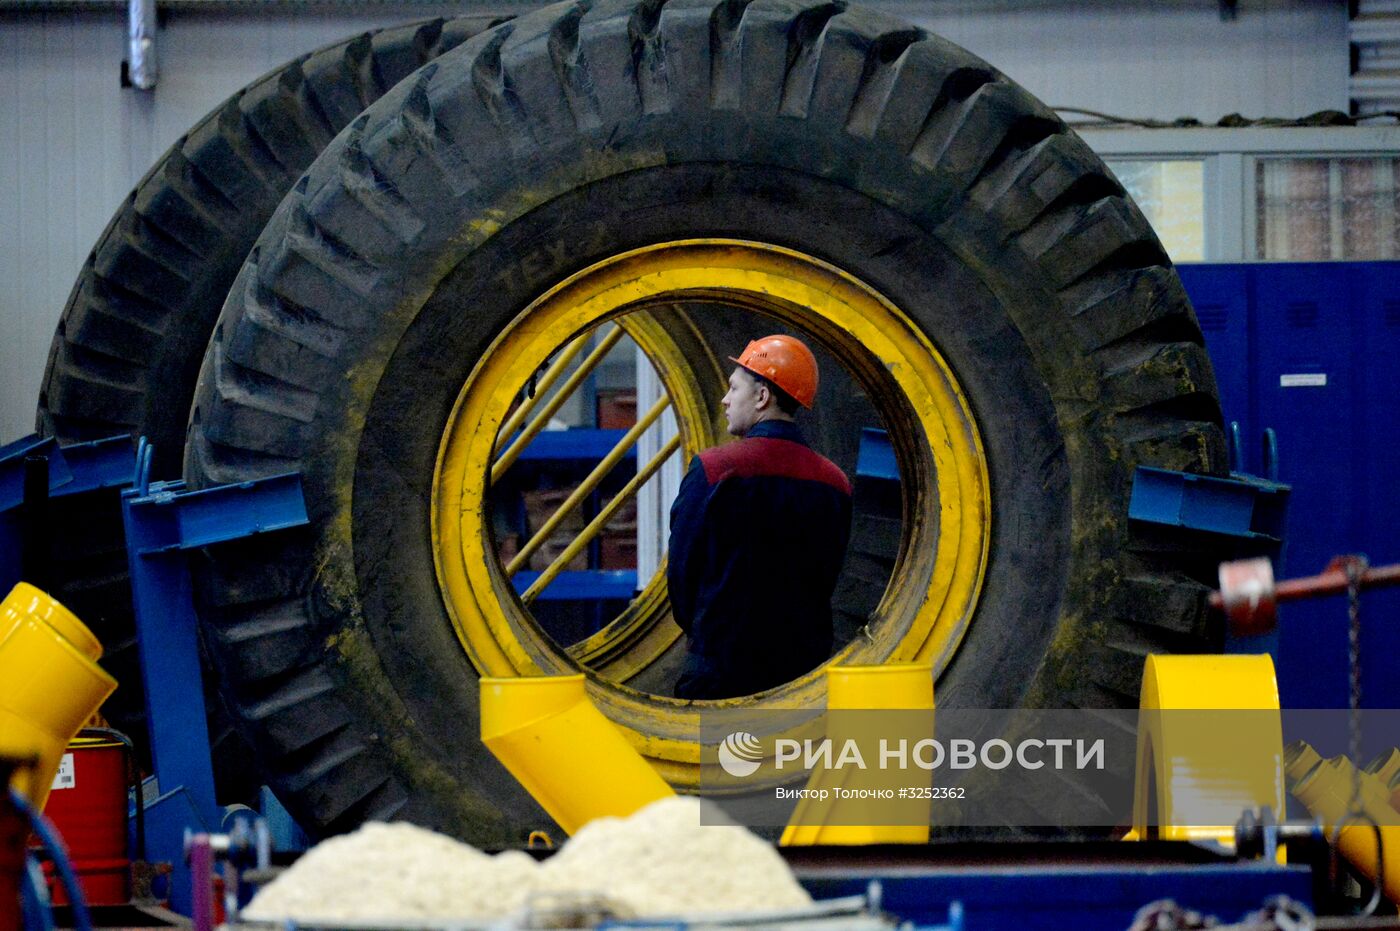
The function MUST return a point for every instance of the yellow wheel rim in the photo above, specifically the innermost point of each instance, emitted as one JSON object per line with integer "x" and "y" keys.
{"x": 937, "y": 577}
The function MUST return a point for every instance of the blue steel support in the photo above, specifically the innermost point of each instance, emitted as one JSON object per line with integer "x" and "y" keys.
{"x": 580, "y": 444}
{"x": 1241, "y": 506}
{"x": 875, "y": 458}
{"x": 73, "y": 470}
{"x": 285, "y": 832}
{"x": 12, "y": 456}
{"x": 108, "y": 463}
{"x": 582, "y": 584}
{"x": 163, "y": 521}
{"x": 1250, "y": 509}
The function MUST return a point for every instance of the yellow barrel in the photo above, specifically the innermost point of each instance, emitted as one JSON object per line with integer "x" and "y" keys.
{"x": 893, "y": 687}
{"x": 572, "y": 759}
{"x": 50, "y": 683}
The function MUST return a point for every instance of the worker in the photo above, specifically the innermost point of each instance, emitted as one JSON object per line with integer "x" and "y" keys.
{"x": 758, "y": 534}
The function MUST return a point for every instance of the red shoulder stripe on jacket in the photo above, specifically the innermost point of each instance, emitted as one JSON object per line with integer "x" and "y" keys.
{"x": 766, "y": 456}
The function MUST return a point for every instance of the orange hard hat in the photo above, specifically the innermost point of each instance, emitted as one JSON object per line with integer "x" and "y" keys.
{"x": 784, "y": 361}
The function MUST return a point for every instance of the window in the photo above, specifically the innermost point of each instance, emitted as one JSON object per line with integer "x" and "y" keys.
{"x": 1318, "y": 209}
{"x": 1263, "y": 193}
{"x": 1172, "y": 195}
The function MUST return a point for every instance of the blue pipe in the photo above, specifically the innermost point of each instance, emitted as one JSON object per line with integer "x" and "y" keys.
{"x": 34, "y": 902}
{"x": 50, "y": 839}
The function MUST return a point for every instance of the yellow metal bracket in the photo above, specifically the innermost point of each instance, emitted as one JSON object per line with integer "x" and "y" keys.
{"x": 818, "y": 817}
{"x": 1210, "y": 746}
{"x": 573, "y": 760}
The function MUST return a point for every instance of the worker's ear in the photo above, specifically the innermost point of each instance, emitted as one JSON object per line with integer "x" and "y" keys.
{"x": 764, "y": 395}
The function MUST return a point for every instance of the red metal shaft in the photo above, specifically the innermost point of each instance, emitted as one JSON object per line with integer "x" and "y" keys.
{"x": 1331, "y": 582}
{"x": 1334, "y": 582}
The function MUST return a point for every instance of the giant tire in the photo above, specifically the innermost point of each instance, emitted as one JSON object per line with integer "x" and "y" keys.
{"x": 581, "y": 132}
{"x": 128, "y": 346}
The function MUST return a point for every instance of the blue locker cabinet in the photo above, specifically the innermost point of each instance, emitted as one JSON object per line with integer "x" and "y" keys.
{"x": 1313, "y": 350}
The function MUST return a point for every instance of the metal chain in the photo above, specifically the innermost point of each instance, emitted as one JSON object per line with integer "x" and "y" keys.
{"x": 1355, "y": 567}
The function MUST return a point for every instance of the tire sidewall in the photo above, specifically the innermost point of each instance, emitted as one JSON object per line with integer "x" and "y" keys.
{"x": 402, "y": 606}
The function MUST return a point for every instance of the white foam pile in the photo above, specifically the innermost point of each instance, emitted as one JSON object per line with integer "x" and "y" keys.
{"x": 660, "y": 861}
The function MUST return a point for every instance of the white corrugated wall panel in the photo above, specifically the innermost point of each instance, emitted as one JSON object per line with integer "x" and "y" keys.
{"x": 1160, "y": 60}
{"x": 13, "y": 377}
{"x": 73, "y": 142}
{"x": 53, "y": 189}
{"x": 1375, "y": 87}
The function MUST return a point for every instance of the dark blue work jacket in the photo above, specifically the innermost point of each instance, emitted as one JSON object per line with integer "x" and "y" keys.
{"x": 758, "y": 535}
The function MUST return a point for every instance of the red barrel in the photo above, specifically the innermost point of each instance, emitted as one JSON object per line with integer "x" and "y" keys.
{"x": 88, "y": 807}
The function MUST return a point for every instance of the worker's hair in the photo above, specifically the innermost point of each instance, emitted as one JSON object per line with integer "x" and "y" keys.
{"x": 786, "y": 402}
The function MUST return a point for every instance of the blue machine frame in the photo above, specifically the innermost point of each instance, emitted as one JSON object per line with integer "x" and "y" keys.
{"x": 73, "y": 470}
{"x": 163, "y": 522}
{"x": 1072, "y": 897}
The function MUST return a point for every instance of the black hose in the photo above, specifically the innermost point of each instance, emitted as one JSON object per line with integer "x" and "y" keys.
{"x": 133, "y": 781}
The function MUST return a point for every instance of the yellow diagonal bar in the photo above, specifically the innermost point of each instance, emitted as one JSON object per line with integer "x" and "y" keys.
{"x": 589, "y": 484}
{"x": 596, "y": 525}
{"x": 542, "y": 419}
{"x": 547, "y": 380}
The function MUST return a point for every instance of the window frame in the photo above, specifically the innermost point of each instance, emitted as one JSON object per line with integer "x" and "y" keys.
{"x": 1231, "y": 156}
